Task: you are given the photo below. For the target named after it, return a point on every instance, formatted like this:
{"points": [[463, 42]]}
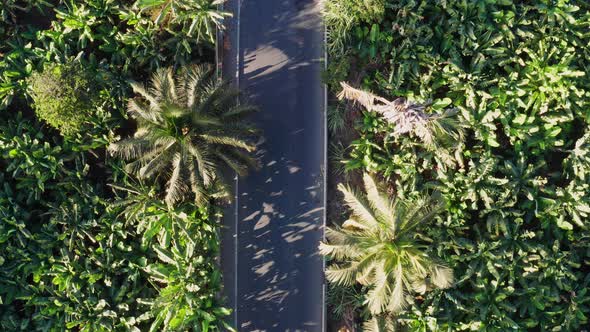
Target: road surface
{"points": [[273, 274]]}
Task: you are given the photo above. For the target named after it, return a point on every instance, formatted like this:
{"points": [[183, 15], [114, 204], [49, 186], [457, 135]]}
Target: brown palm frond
{"points": [[406, 116]]}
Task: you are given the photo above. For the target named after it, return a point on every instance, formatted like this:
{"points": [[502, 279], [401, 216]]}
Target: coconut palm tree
{"points": [[188, 127], [378, 247]]}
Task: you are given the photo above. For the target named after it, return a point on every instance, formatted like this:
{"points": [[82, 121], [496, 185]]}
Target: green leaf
{"points": [[564, 224], [165, 255], [491, 140], [441, 103], [374, 32]]}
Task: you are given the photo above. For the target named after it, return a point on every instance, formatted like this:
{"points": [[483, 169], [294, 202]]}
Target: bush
{"points": [[341, 16], [65, 96], [77, 260], [74, 254]]}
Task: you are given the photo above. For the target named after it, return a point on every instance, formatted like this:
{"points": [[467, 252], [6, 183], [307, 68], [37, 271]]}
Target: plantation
{"points": [[460, 165], [113, 132], [494, 121]]}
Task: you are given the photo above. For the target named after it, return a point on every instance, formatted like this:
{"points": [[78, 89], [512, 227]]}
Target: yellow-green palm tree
{"points": [[188, 127], [378, 247]]}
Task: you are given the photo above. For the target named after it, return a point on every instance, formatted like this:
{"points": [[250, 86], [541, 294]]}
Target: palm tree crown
{"points": [[377, 247], [188, 125]]}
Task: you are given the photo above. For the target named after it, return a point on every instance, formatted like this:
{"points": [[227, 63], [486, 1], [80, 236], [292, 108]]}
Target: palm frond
{"points": [[441, 276], [337, 252], [228, 140], [342, 275], [351, 224], [130, 148], [234, 164], [205, 167], [380, 293], [156, 164], [245, 158], [163, 86], [212, 92], [141, 90], [366, 99], [175, 188], [359, 207], [240, 111], [196, 78], [206, 120], [397, 297], [418, 211], [138, 109], [378, 202], [381, 323]]}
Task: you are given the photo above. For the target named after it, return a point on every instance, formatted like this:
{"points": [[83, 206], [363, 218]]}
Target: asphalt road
{"points": [[273, 274]]}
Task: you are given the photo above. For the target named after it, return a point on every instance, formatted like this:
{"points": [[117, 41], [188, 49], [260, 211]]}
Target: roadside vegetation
{"points": [[483, 105], [113, 131]]}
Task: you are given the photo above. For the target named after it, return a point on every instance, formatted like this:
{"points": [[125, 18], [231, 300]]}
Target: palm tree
{"points": [[378, 247], [188, 126]]}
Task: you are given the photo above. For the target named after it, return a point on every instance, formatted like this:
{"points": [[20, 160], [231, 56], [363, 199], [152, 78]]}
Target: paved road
{"points": [[273, 274]]}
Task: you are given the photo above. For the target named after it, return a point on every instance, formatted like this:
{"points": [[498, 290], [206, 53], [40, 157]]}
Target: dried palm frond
{"points": [[433, 129]]}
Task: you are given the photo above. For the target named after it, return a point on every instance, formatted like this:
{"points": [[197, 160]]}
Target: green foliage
{"points": [[120, 37], [76, 251], [189, 124], [30, 161], [16, 63], [185, 243], [65, 96], [198, 18], [87, 264], [338, 70], [9, 9], [345, 301], [342, 15], [516, 231]]}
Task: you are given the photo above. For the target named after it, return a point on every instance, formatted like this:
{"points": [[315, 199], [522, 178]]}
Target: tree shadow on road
{"points": [[280, 208]]}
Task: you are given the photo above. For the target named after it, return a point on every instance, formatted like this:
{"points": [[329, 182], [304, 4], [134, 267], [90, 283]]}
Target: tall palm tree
{"points": [[377, 247], [188, 126]]}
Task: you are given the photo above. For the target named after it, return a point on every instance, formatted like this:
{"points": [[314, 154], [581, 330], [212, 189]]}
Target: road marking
{"points": [[324, 288], [237, 182]]}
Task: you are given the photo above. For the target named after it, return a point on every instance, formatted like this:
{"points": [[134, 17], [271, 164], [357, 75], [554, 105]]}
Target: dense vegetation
{"points": [[85, 245], [515, 184]]}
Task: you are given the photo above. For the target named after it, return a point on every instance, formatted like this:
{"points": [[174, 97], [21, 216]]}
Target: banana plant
{"points": [[198, 19]]}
